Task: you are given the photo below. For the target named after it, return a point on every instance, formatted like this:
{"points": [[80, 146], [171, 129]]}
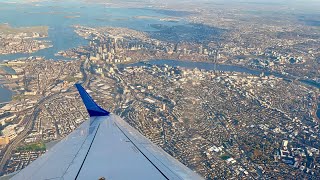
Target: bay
{"points": [[60, 17]]}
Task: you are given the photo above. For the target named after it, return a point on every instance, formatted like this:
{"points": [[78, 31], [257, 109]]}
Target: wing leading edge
{"points": [[105, 146], [92, 108]]}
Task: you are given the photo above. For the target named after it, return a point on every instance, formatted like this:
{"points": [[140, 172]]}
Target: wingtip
{"points": [[93, 108], [77, 85]]}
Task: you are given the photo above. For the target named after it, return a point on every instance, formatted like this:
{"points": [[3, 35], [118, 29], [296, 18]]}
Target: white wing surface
{"points": [[105, 146]]}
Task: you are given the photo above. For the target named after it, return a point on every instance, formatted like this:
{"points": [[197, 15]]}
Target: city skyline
{"points": [[230, 89]]}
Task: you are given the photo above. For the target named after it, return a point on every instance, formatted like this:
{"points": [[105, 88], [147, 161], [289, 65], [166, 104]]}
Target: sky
{"points": [[313, 5]]}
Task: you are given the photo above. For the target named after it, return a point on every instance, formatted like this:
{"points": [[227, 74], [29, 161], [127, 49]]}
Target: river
{"points": [[5, 95], [218, 67], [192, 65]]}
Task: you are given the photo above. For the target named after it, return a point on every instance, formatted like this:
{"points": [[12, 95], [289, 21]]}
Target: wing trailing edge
{"points": [[93, 108]]}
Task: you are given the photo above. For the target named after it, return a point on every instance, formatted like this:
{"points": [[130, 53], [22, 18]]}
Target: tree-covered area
{"points": [[33, 147]]}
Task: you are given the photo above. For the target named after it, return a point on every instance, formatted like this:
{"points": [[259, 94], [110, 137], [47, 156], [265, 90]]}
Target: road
{"points": [[29, 120]]}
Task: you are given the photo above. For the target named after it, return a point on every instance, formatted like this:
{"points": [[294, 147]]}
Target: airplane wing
{"points": [[105, 147]]}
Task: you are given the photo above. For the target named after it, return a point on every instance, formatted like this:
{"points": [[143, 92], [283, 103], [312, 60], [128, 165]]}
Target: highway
{"points": [[29, 120]]}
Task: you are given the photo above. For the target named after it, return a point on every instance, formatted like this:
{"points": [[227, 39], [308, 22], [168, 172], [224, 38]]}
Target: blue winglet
{"points": [[92, 108]]}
